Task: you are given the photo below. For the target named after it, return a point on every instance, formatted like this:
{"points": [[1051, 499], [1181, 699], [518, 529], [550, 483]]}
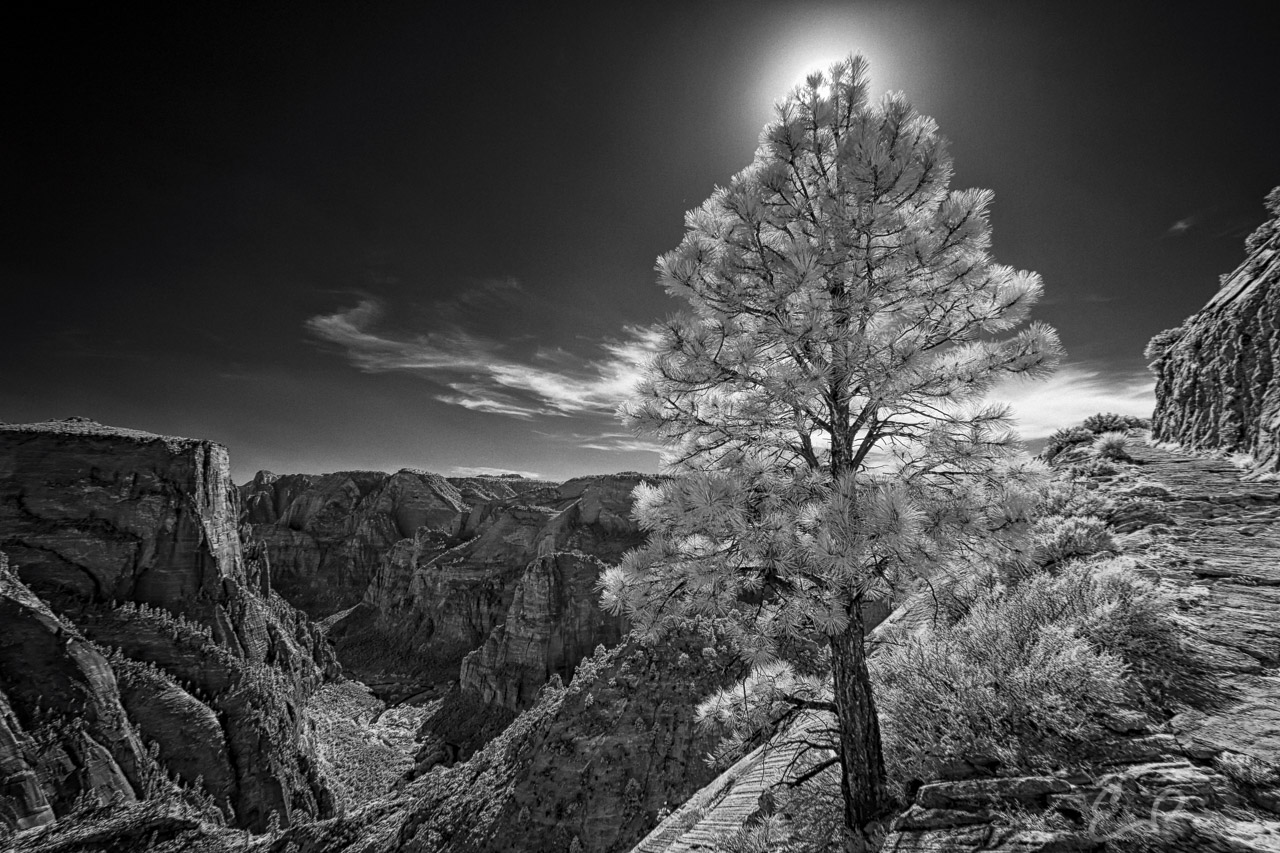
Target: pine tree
{"points": [[822, 397]]}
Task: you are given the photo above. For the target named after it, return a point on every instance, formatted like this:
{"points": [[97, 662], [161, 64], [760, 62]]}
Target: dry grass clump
{"points": [[1112, 446]]}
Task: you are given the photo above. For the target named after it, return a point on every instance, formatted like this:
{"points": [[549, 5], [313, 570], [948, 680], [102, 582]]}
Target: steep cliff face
{"points": [[1218, 374], [553, 622], [133, 538], [93, 513], [324, 535], [516, 583]]}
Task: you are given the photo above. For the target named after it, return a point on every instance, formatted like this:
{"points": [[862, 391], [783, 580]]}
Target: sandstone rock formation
{"points": [[132, 537], [553, 622], [591, 764], [1217, 384], [325, 534], [528, 561]]}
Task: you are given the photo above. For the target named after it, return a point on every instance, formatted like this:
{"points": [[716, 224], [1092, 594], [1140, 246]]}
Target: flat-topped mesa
{"points": [[91, 513], [1218, 374]]}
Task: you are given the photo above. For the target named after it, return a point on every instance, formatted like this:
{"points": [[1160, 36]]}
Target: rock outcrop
{"points": [[553, 622], [131, 539], [592, 764], [1218, 374]]}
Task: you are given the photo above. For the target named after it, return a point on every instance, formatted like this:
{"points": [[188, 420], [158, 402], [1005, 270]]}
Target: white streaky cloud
{"points": [[482, 375], [450, 350], [1070, 395], [623, 443], [485, 471]]}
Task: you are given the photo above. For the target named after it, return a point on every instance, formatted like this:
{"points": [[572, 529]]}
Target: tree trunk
{"points": [[862, 776]]}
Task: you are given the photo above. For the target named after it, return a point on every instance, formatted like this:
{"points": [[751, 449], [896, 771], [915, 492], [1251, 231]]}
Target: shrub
{"points": [[1064, 438], [1163, 341], [1055, 538], [1111, 422], [1024, 675], [1111, 445], [1066, 498]]}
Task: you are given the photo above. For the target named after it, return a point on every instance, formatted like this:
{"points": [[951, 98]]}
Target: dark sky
{"points": [[374, 236]]}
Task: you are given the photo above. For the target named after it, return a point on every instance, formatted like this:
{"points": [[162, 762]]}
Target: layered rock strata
{"points": [[132, 539], [324, 535], [515, 585], [1218, 374]]}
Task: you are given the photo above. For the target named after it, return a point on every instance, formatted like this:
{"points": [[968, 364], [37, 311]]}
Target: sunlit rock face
{"points": [[324, 535], [553, 622], [132, 538], [1218, 375], [94, 513]]}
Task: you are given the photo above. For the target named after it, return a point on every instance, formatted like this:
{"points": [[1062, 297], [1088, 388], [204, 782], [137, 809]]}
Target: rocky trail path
{"points": [[1230, 531]]}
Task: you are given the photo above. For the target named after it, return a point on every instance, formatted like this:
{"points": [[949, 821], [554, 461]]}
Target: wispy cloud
{"points": [[483, 374], [1182, 226], [1072, 394], [612, 442]]}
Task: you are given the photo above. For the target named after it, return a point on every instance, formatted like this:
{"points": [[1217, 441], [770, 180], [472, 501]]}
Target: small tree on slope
{"points": [[821, 399]]}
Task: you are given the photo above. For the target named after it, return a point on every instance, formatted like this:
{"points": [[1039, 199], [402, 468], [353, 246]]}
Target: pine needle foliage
{"points": [[823, 397]]}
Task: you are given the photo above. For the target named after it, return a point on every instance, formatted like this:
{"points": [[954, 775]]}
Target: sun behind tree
{"points": [[822, 397]]}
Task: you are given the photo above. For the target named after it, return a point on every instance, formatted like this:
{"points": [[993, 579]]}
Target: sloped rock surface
{"points": [[1169, 790], [1218, 375], [133, 537], [63, 731]]}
